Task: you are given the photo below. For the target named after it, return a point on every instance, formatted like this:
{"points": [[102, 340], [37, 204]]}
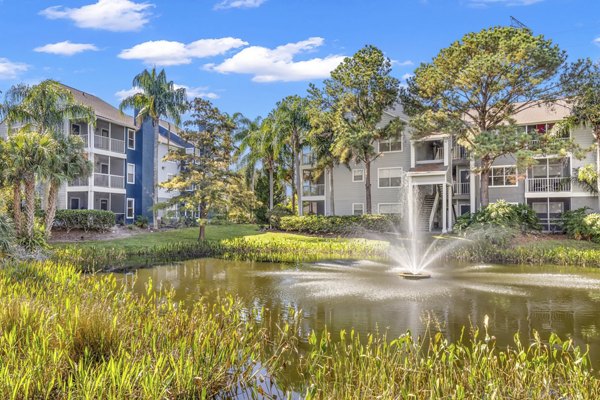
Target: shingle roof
{"points": [[102, 108]]}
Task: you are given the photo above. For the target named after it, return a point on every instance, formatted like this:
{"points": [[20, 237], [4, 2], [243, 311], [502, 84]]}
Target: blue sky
{"points": [[245, 55]]}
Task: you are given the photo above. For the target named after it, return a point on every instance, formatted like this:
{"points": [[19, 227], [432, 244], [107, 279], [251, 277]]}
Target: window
{"points": [[74, 203], [104, 169], [189, 150], [389, 208], [131, 139], [75, 129], [390, 177], [503, 176], [130, 173], [358, 208], [358, 175], [130, 208], [104, 204], [391, 145], [539, 128], [104, 132], [464, 209]]}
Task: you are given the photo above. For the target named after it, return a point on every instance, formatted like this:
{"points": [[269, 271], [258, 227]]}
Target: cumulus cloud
{"points": [[596, 41], [486, 3], [165, 53], [110, 15], [278, 64], [405, 63], [66, 48], [191, 92], [238, 4], [10, 69]]}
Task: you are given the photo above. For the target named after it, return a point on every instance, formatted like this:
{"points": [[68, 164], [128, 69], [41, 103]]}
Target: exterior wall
{"points": [[166, 168]]}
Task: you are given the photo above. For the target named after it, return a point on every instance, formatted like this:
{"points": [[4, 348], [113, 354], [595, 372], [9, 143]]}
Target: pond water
{"points": [[367, 296]]}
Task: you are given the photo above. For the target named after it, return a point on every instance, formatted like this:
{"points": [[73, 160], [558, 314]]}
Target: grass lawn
{"points": [[186, 235]]}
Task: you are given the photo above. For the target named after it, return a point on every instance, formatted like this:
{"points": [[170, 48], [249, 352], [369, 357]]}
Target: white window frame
{"points": [[127, 208], [128, 181], [363, 174], [491, 176], [390, 141], [387, 187], [362, 205], [132, 132], [388, 204]]}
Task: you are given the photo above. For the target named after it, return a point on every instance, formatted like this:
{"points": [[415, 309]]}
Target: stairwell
{"points": [[425, 213]]}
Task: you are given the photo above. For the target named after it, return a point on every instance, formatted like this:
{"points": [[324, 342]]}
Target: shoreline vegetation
{"points": [[248, 243], [65, 336]]}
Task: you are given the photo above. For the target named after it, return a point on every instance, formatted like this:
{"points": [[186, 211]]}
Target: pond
{"points": [[368, 296]]}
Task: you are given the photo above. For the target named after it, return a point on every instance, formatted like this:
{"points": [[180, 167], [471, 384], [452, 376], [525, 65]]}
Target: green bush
{"points": [[501, 214], [7, 234], [141, 221], [339, 225], [86, 220], [274, 216], [581, 225]]}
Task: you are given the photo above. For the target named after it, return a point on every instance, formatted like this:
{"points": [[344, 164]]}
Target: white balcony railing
{"points": [[462, 188], [308, 159], [317, 189], [109, 144], [84, 139], [79, 182], [548, 185], [109, 181]]}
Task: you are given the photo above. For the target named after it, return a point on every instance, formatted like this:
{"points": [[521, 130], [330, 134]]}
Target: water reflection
{"points": [[368, 296]]}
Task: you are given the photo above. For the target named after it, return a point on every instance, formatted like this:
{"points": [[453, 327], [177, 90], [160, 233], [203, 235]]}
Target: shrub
{"points": [[581, 225], [274, 216], [501, 214], [141, 221], [86, 220], [340, 225], [7, 234]]}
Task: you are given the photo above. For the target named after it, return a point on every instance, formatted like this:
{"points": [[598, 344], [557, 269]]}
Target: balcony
{"points": [[315, 189], [109, 181], [462, 188], [459, 152], [109, 144], [308, 159], [79, 182], [84, 139], [548, 185]]}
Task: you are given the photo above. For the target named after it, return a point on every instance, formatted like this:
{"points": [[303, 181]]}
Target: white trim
{"points": [[388, 204], [127, 138], [127, 172], [388, 187], [132, 208], [504, 166], [363, 174], [360, 204]]}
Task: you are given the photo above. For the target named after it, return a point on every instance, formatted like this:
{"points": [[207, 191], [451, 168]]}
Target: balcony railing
{"points": [[109, 181], [459, 153], [547, 185], [84, 139], [79, 182], [438, 156], [462, 188], [109, 144], [317, 189]]}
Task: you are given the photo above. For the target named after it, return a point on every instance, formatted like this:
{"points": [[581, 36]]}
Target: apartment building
{"points": [[444, 186], [123, 162]]}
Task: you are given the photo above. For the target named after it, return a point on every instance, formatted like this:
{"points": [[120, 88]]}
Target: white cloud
{"points": [[406, 77], [485, 3], [405, 63], [66, 48], [596, 41], [238, 4], [110, 15], [191, 92], [10, 69], [164, 52], [271, 65]]}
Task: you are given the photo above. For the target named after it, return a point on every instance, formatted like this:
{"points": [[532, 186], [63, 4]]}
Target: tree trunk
{"points": [[202, 232], [485, 186], [598, 167], [271, 188], [17, 214], [298, 178], [331, 193], [51, 207], [29, 181], [369, 209], [155, 168]]}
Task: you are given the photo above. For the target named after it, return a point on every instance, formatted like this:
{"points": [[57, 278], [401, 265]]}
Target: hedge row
{"points": [[340, 225], [86, 220]]}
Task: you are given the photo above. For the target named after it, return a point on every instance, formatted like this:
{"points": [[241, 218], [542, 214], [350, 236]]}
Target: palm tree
{"points": [[159, 98], [29, 155], [320, 144], [292, 124], [247, 154], [68, 162]]}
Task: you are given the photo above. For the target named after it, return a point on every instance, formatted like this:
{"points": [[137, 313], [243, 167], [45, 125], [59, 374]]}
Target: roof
{"points": [[543, 113], [102, 109]]}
